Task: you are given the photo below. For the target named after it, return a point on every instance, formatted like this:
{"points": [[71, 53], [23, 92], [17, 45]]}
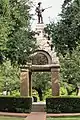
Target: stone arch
{"points": [[46, 55]]}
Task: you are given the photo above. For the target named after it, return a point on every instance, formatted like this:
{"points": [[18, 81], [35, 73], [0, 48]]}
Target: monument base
{"points": [[38, 106]]}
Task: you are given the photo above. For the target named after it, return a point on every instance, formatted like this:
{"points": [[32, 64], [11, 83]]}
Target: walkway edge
{"points": [[14, 114], [62, 114], [47, 115]]}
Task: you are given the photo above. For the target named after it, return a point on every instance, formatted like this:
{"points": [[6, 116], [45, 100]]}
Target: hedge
{"points": [[15, 104], [63, 105]]}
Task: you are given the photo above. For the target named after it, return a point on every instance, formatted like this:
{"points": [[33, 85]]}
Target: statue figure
{"points": [[39, 13]]}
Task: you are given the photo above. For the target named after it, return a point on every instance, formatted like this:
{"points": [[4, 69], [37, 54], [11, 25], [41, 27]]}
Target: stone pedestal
{"points": [[55, 81], [38, 107], [24, 85]]}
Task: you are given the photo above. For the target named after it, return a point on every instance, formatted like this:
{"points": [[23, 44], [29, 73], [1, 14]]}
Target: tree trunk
{"points": [[39, 93]]}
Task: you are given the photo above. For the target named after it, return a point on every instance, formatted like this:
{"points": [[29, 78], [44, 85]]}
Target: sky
{"points": [[50, 14]]}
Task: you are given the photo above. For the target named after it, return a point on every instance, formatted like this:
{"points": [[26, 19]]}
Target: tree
{"points": [[65, 33], [41, 83], [66, 2], [17, 41], [9, 77], [70, 71]]}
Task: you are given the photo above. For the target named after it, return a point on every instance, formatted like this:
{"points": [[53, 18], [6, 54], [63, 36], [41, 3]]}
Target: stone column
{"points": [[30, 84], [24, 82], [55, 81]]}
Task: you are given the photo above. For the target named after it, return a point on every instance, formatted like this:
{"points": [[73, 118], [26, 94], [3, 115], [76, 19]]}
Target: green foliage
{"points": [[41, 83], [15, 104], [16, 39], [41, 79], [63, 105], [35, 94], [48, 93], [66, 2], [70, 71], [65, 33], [15, 93], [9, 77], [63, 91]]}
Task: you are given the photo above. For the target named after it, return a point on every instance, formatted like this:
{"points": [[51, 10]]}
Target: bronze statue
{"points": [[39, 12]]}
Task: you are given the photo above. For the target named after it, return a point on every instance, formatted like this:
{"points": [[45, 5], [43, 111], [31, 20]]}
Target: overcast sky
{"points": [[49, 14]]}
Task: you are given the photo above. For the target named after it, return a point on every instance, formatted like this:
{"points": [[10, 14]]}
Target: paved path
{"points": [[36, 116]]}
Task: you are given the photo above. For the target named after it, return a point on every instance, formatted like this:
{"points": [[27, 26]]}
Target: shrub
{"points": [[63, 105], [15, 104]]}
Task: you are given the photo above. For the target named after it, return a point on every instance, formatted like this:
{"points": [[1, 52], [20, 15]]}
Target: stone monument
{"points": [[44, 59]]}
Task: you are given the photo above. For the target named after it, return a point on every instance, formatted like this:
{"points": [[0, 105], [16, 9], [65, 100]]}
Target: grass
{"points": [[64, 118], [10, 118]]}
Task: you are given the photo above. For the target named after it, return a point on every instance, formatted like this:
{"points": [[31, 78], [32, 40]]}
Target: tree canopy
{"points": [[65, 33], [17, 41], [9, 78], [70, 71], [41, 83]]}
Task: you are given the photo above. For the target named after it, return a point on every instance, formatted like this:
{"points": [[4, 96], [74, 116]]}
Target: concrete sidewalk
{"points": [[36, 116]]}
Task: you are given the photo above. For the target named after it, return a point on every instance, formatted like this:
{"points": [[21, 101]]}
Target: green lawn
{"points": [[10, 118], [64, 118]]}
